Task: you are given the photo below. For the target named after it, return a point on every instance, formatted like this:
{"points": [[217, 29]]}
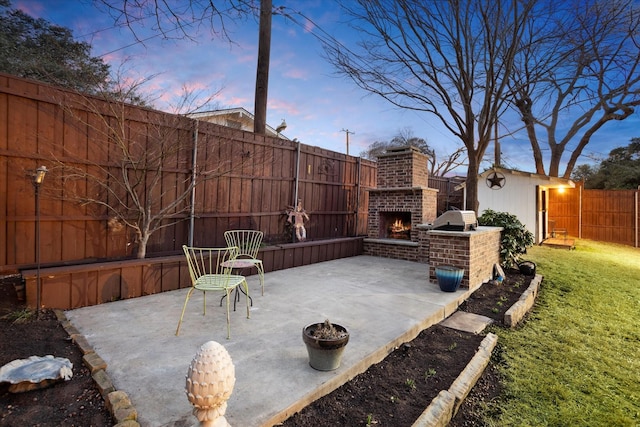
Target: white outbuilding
{"points": [[523, 194]]}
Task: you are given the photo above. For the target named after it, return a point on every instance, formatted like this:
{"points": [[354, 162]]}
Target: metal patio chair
{"points": [[209, 275], [248, 243]]}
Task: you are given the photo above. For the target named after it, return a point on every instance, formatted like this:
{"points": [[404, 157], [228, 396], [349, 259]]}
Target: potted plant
{"points": [[449, 277], [325, 344]]}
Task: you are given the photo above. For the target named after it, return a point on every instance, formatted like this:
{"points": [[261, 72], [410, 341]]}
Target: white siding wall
{"points": [[517, 197]]}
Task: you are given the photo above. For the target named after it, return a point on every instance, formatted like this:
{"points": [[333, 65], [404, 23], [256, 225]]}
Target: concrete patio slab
{"points": [[383, 302]]}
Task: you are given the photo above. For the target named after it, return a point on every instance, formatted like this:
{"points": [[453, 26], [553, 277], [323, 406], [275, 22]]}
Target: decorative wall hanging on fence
{"points": [[297, 216]]}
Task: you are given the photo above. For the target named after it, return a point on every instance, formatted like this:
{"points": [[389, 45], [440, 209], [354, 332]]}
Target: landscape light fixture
{"points": [[38, 178]]}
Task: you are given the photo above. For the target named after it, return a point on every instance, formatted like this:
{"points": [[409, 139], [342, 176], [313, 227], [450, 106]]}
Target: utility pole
{"points": [[496, 148], [347, 131], [262, 73]]}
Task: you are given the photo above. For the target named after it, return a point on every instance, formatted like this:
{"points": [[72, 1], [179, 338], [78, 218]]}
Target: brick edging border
{"points": [[517, 311], [445, 405], [117, 402]]}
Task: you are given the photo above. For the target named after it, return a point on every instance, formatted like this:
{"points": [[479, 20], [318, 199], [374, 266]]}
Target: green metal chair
{"points": [[248, 243], [209, 274]]}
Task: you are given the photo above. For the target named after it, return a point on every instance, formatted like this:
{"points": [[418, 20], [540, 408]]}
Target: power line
{"points": [[161, 33]]}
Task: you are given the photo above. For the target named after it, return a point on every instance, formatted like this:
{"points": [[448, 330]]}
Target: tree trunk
{"points": [[554, 162], [472, 183], [142, 246], [524, 107]]}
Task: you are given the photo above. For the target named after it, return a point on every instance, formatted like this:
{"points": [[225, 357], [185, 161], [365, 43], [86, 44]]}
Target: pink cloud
{"points": [[247, 58], [196, 86], [297, 73], [30, 8], [284, 107], [236, 101], [308, 26]]}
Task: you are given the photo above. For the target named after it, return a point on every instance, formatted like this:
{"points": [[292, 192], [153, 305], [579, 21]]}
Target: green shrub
{"points": [[514, 238]]}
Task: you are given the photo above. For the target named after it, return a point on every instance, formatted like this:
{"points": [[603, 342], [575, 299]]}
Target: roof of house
{"points": [[551, 180], [237, 118]]}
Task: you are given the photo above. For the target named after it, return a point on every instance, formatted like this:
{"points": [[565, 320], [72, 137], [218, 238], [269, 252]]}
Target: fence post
{"points": [[580, 210], [637, 209]]}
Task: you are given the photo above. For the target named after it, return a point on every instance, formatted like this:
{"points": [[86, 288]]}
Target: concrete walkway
{"points": [[383, 302]]}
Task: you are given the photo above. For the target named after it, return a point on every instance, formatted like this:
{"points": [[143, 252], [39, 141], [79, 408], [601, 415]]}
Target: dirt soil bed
{"points": [[391, 393], [397, 390], [76, 402]]}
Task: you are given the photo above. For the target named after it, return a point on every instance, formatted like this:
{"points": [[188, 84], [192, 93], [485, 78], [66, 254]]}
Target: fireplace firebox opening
{"points": [[395, 225]]}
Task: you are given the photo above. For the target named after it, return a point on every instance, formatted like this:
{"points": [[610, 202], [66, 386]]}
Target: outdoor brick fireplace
{"points": [[401, 211], [401, 201]]}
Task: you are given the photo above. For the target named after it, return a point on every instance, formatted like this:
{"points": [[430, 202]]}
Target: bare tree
{"points": [[449, 163], [451, 59], [578, 69], [436, 167], [178, 20], [139, 169], [405, 137], [185, 20]]}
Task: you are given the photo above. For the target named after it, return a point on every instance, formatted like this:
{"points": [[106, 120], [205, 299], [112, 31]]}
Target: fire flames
{"points": [[398, 226]]}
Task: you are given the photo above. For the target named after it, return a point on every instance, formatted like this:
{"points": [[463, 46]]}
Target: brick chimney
{"points": [[402, 194], [403, 167]]}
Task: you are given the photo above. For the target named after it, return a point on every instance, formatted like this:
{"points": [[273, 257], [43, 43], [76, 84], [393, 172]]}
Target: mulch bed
{"points": [[393, 392], [397, 390], [76, 402]]}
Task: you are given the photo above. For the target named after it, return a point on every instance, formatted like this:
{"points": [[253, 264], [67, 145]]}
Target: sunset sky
{"points": [[303, 89]]}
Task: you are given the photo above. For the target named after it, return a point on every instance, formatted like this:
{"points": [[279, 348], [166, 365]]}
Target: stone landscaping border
{"points": [[438, 414], [516, 313], [446, 404], [117, 402]]}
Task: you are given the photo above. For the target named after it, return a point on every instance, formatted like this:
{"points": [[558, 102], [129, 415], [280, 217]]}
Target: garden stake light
{"points": [[38, 178]]}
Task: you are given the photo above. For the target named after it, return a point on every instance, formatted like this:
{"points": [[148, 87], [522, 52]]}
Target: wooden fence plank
{"points": [[603, 215], [84, 289], [255, 194]]}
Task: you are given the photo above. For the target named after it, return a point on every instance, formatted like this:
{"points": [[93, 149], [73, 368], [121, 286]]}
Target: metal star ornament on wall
{"points": [[496, 181]]}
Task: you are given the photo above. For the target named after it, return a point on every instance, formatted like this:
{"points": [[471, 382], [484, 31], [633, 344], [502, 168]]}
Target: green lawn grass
{"points": [[576, 359]]}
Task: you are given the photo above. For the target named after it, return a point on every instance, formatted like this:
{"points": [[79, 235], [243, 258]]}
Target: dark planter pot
{"points": [[324, 354], [528, 268], [449, 277]]}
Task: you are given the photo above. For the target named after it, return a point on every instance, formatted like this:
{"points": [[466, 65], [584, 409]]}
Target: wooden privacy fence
{"points": [[449, 195], [256, 179], [602, 215]]}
